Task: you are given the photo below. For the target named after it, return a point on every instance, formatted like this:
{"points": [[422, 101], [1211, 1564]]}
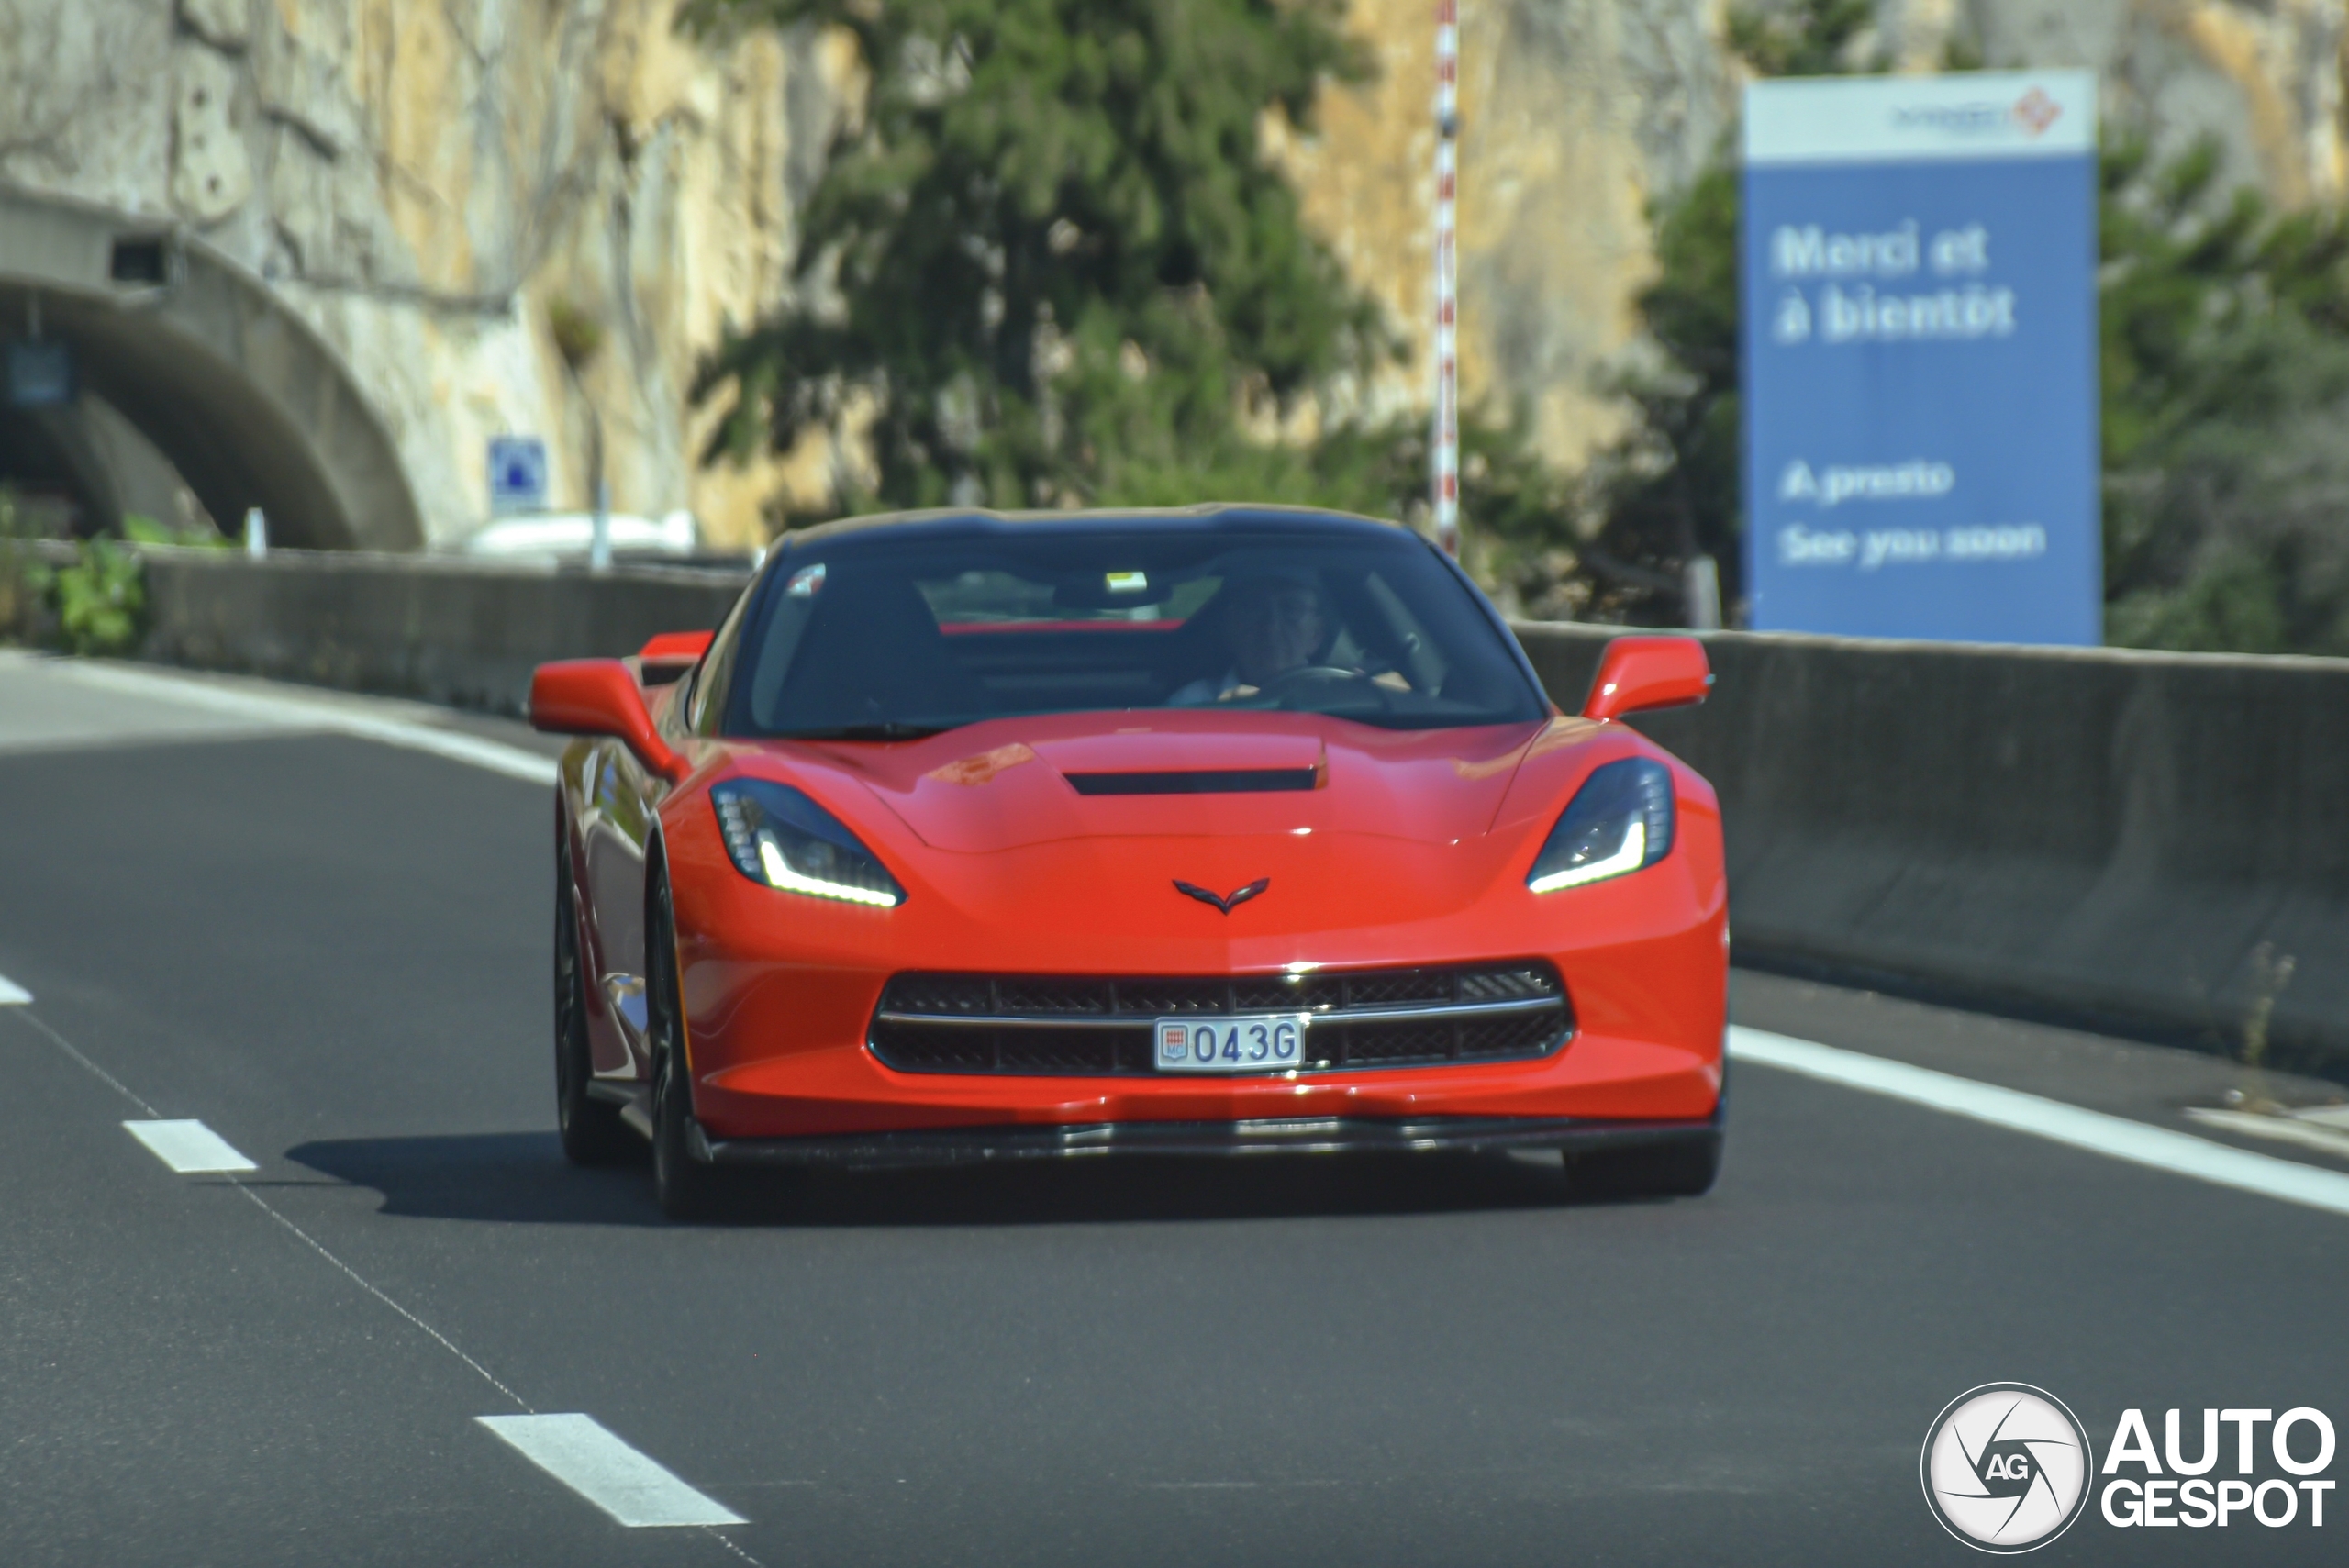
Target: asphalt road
{"points": [[333, 951]]}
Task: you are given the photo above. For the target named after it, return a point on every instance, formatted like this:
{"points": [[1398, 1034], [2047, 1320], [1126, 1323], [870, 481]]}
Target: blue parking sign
{"points": [[518, 474], [1919, 340]]}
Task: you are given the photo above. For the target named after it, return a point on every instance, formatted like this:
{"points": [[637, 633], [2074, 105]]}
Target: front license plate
{"points": [[1251, 1042]]}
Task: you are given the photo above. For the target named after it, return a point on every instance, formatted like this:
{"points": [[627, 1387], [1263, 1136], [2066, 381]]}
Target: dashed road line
{"points": [[157, 1118], [13, 995], [580, 1452], [2116, 1137], [625, 1481], [333, 717], [189, 1148]]}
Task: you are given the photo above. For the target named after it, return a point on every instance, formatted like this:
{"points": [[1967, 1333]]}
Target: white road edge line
{"points": [[2116, 1137], [13, 995], [335, 717], [189, 1148], [578, 1451]]}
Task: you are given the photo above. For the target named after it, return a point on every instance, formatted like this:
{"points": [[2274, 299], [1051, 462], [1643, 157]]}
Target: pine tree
{"points": [[2225, 366], [1060, 267]]}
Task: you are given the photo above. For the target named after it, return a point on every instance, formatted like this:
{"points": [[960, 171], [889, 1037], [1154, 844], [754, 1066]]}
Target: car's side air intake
{"points": [[1091, 1025]]}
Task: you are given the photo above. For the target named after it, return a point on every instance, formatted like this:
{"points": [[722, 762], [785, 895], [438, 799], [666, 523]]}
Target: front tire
{"points": [[592, 1133], [685, 1187]]}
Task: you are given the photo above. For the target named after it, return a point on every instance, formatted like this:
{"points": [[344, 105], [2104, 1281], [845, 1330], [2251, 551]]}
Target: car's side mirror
{"points": [[664, 660], [1638, 673], [599, 696]]}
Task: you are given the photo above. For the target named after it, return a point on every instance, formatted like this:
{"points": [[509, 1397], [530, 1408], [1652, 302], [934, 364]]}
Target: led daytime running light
{"points": [[780, 874], [1622, 818], [778, 836], [1630, 857]]}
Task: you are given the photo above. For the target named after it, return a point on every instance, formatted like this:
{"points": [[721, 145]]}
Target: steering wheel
{"points": [[1311, 681], [1306, 676]]}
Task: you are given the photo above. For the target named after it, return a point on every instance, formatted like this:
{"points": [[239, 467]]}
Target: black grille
{"points": [[1091, 1025]]}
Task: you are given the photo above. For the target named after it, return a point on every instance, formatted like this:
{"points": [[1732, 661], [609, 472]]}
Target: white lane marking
{"points": [[336, 717], [358, 1279], [13, 995], [2115, 1137], [576, 1451], [189, 1147]]}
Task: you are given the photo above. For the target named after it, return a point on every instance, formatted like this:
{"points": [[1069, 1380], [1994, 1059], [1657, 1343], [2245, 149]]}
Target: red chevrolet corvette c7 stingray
{"points": [[1234, 829]]}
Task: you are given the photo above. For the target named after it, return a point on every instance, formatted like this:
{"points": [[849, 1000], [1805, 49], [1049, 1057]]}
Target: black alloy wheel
{"points": [[592, 1133], [686, 1188]]}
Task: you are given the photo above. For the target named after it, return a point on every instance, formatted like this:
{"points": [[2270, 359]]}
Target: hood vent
{"points": [[1205, 781]]}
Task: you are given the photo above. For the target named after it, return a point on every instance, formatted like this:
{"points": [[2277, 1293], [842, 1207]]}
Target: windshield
{"points": [[881, 637]]}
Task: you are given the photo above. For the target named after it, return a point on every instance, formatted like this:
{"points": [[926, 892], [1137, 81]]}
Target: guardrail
{"points": [[2156, 843]]}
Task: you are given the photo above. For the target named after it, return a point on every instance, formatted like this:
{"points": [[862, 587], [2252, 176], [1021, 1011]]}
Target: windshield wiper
{"points": [[888, 730]]}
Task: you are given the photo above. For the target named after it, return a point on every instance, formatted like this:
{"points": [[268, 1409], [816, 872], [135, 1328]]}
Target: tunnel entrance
{"points": [[50, 493], [80, 469], [238, 394]]}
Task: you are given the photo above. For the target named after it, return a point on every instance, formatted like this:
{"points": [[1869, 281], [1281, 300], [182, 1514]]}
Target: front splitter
{"points": [[1319, 1135]]}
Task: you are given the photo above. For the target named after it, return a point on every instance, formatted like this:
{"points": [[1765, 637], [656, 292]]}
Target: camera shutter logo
{"points": [[2006, 1467]]}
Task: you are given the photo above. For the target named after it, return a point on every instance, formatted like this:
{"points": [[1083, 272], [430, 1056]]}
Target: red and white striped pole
{"points": [[1447, 368]]}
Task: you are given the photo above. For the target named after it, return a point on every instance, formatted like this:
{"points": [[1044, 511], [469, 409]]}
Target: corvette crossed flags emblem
{"points": [[1238, 896]]}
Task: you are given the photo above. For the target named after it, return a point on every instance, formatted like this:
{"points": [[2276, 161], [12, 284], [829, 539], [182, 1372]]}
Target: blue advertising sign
{"points": [[518, 474], [1920, 348]]}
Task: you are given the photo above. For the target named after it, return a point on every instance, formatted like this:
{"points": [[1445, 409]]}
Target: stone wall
{"points": [[422, 180]]}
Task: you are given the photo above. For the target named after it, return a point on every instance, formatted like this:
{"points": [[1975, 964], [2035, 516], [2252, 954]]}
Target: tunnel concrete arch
{"points": [[251, 406]]}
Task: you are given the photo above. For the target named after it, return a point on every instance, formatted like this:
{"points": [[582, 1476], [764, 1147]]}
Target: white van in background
{"points": [[567, 535]]}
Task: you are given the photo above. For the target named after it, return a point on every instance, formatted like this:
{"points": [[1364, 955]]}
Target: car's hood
{"points": [[1014, 781]]}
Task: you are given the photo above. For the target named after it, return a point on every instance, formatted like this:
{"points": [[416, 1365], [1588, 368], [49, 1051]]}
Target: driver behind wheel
{"points": [[1273, 625]]}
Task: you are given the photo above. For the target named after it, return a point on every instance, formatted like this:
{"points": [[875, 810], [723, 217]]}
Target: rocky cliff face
{"points": [[423, 182], [1575, 114]]}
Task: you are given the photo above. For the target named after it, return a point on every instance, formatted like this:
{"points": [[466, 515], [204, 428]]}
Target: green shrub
{"points": [[96, 600], [139, 528]]}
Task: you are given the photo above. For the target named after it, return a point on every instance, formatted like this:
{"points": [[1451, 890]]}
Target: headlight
{"points": [[778, 836], [1618, 821]]}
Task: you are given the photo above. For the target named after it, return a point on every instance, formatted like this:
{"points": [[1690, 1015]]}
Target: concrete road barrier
{"points": [[460, 632], [2152, 842]]}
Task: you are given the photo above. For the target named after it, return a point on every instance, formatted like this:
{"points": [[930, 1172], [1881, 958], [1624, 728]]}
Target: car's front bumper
{"points": [[781, 992]]}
